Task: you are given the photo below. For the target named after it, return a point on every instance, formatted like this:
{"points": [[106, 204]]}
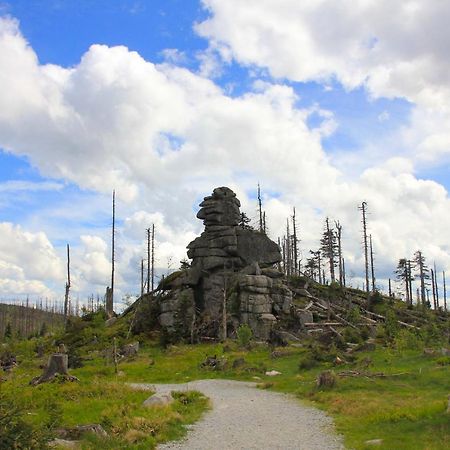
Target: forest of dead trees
{"points": [[414, 280]]}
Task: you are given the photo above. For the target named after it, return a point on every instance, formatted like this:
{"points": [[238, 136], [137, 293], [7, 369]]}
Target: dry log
{"points": [[355, 373]]}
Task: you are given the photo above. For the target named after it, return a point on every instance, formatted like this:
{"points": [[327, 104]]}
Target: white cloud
{"points": [[394, 49], [164, 137], [28, 261]]}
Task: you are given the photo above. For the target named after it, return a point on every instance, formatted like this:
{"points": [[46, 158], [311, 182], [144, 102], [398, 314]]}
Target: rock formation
{"points": [[231, 266]]}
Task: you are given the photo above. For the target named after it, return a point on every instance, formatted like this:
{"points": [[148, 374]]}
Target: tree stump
{"points": [[57, 365]]}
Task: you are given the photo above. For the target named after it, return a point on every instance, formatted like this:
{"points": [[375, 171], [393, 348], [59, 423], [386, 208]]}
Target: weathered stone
{"points": [[305, 317], [158, 400], [273, 373], [111, 321], [374, 442], [272, 273], [63, 443], [130, 349], [231, 264]]}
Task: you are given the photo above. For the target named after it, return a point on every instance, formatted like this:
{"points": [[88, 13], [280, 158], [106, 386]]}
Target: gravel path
{"points": [[246, 418]]}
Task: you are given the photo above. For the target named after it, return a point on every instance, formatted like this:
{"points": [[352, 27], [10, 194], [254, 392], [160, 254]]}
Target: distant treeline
{"points": [[26, 319]]}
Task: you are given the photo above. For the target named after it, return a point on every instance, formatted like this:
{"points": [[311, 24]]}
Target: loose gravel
{"points": [[246, 418]]}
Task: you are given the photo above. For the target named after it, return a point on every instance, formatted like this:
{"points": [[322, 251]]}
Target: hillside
{"points": [[388, 366]]}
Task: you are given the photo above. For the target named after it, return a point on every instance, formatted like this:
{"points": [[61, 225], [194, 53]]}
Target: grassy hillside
{"points": [[392, 385]]}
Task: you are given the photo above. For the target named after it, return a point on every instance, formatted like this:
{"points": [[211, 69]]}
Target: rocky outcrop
{"points": [[231, 265], [224, 244]]}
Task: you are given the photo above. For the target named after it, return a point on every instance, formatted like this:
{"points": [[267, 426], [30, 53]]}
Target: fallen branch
{"points": [[355, 373]]}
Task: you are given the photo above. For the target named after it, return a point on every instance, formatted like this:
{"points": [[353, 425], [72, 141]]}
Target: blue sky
{"points": [[333, 109]]}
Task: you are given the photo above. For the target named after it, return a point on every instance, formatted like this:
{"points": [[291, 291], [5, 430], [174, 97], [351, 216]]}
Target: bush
{"points": [[352, 335], [391, 325], [15, 433], [326, 379], [354, 315], [444, 361], [407, 340], [307, 362], [244, 335]]}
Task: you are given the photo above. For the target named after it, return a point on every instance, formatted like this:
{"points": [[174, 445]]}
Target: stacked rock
{"points": [[224, 244], [227, 255]]}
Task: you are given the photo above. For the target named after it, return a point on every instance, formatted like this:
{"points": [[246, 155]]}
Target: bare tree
{"points": [[66, 296], [148, 259], [436, 285], [295, 243], [339, 244], [363, 209], [142, 277], [261, 227], [110, 294], [433, 287], [153, 257], [288, 250], [445, 291], [372, 268]]}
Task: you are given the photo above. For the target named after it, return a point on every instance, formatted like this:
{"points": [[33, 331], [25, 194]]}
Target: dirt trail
{"points": [[246, 418]]}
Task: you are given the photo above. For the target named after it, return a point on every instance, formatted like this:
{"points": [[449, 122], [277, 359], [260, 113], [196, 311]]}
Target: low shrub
{"points": [[244, 335]]}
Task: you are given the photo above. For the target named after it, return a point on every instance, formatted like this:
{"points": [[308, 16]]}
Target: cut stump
{"points": [[57, 365]]}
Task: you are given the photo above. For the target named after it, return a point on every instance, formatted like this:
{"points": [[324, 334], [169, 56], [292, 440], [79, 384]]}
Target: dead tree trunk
{"points": [[363, 209], [295, 244], [445, 291], [343, 272], [66, 296], [433, 284], [288, 249], [436, 286], [142, 277], [148, 260], [409, 282], [339, 242], [153, 258], [260, 210], [372, 268], [57, 365], [110, 298]]}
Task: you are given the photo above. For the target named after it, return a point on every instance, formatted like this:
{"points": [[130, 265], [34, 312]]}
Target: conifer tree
{"points": [[422, 274], [329, 248], [404, 275]]}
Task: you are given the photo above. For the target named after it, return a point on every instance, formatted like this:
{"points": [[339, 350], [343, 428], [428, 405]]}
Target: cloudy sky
{"points": [[325, 103]]}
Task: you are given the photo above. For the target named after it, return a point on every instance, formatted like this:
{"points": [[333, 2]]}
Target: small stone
{"points": [[374, 442], [272, 373], [158, 400], [130, 349], [445, 351], [63, 443], [111, 321], [91, 428]]}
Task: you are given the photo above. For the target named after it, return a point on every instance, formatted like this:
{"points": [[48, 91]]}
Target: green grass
{"points": [[406, 408], [99, 397]]}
